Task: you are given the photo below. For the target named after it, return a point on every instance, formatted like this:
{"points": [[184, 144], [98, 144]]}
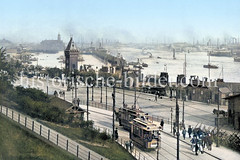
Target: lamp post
{"points": [[184, 99], [218, 120], [171, 119], [92, 92], [106, 96], [177, 123], [101, 94], [158, 143], [47, 83], [113, 119], [87, 101], [72, 92]]}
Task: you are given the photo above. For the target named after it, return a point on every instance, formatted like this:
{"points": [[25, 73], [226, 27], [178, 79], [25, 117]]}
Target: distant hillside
{"points": [[5, 41], [16, 143]]}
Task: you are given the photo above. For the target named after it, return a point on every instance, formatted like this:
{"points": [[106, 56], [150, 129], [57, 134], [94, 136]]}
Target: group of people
{"points": [[199, 138]]}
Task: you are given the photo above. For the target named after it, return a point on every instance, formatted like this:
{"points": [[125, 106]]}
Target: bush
{"points": [[85, 124], [104, 136]]}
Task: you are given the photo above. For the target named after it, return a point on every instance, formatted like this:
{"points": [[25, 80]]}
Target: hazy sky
{"points": [[125, 20]]}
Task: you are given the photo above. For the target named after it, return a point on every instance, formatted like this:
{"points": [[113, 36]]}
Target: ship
{"points": [[209, 65], [221, 53], [236, 59]]}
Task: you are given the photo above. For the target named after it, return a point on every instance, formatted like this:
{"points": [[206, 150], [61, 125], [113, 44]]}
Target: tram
{"points": [[126, 115], [144, 132]]}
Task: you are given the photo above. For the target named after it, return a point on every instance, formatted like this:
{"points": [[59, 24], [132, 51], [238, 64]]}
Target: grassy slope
{"points": [[113, 151], [108, 149], [16, 143]]}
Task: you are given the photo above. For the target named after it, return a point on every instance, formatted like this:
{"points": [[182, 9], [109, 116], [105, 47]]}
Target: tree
{"points": [[7, 70]]}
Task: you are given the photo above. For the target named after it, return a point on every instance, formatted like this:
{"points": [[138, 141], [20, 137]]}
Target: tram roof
{"points": [[146, 125], [132, 110]]}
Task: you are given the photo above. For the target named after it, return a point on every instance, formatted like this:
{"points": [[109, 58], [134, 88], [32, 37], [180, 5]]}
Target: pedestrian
{"points": [[156, 97], [174, 131], [196, 146], [184, 133], [116, 133], [131, 145], [189, 131], [78, 101], [162, 123], [55, 93]]}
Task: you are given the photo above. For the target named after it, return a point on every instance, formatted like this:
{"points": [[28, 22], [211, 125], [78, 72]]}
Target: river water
{"points": [[195, 62]]}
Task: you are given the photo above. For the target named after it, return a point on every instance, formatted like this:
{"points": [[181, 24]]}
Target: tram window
{"points": [[155, 134]]}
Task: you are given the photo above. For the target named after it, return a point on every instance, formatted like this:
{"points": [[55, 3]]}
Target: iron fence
{"points": [[51, 135]]}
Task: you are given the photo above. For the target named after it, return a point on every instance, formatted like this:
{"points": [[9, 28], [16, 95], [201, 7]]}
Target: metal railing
{"points": [[51, 135]]}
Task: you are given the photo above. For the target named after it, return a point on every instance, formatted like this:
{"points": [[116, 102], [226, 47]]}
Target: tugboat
{"points": [[209, 65]]}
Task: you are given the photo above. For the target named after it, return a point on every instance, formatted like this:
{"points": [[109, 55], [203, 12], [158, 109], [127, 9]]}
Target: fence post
{"points": [[67, 145], [57, 139], [18, 117], [25, 121], [12, 114], [40, 130], [77, 150], [48, 134], [32, 125], [89, 155]]}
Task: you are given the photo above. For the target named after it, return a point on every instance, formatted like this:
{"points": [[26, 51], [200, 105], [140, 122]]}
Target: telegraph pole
{"points": [[113, 118], [72, 93], [101, 94], [177, 123], [106, 96], [47, 83], [123, 84], [87, 101], [183, 113], [218, 120], [171, 119], [135, 93], [92, 93], [158, 144], [75, 84]]}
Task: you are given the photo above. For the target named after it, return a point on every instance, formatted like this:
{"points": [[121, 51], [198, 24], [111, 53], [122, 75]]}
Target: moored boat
{"points": [[236, 59], [210, 66]]}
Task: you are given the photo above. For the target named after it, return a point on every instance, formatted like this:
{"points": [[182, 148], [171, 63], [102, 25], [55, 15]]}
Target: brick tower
{"points": [[71, 57]]}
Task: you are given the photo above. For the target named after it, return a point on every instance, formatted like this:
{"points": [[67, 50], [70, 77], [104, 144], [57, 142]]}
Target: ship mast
{"points": [[185, 66], [222, 72]]}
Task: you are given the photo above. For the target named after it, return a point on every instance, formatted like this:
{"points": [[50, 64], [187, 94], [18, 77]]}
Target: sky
{"points": [[123, 20]]}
